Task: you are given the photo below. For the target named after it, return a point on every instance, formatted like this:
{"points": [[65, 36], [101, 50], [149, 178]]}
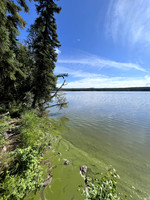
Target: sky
{"points": [[105, 43]]}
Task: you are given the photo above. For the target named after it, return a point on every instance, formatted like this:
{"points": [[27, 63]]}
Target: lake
{"points": [[113, 128]]}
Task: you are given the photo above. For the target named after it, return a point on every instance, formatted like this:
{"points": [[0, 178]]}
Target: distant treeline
{"points": [[108, 89]]}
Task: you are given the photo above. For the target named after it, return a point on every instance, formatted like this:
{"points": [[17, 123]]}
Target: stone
{"points": [[47, 162], [47, 182], [83, 170], [67, 162]]}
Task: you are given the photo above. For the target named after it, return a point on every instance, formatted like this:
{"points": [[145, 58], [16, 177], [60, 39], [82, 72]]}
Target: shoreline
{"points": [[127, 89]]}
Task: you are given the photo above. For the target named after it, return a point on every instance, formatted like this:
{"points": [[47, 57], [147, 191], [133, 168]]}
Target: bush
{"points": [[22, 172], [35, 130], [24, 175], [102, 189]]}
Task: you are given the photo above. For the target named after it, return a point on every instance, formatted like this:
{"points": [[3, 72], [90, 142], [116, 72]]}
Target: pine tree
{"points": [[43, 41]]}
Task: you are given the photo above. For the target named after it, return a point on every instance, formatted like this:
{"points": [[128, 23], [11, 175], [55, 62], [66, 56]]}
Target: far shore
{"points": [[133, 89]]}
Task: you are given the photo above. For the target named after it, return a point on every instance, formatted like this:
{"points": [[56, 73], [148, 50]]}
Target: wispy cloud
{"points": [[101, 63], [83, 79], [107, 82], [77, 73], [129, 20]]}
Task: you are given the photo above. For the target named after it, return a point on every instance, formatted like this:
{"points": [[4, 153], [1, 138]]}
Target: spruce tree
{"points": [[10, 20], [43, 40], [24, 82]]}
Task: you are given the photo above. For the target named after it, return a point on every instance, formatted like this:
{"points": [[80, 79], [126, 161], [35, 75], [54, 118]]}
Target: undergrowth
{"points": [[21, 172], [103, 188]]}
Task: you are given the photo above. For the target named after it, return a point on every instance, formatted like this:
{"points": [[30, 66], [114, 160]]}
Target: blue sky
{"points": [[105, 43]]}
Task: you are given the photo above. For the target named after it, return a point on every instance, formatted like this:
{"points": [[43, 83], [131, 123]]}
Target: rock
{"points": [[47, 162], [86, 189], [83, 170], [67, 162], [49, 147], [47, 182]]}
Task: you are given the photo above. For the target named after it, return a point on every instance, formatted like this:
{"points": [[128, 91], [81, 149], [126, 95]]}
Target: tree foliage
{"points": [[10, 20], [43, 41], [27, 71]]}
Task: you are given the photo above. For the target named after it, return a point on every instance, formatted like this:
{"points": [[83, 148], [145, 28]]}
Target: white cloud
{"points": [[100, 63], [57, 51], [87, 80], [76, 73], [106, 82], [96, 80], [129, 20]]}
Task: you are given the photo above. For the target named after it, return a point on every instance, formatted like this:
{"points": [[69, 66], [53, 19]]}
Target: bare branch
{"points": [[58, 104], [58, 89]]}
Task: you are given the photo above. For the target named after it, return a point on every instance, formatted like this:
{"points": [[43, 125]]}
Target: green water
{"points": [[66, 179], [104, 129]]}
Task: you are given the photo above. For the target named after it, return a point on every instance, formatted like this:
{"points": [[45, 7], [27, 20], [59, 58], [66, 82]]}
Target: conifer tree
{"points": [[43, 40], [10, 20], [24, 82]]}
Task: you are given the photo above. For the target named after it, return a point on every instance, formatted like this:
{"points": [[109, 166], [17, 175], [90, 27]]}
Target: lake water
{"points": [[114, 128]]}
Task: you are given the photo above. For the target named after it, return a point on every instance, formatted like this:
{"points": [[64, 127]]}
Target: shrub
{"points": [[24, 175], [102, 189], [35, 131]]}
